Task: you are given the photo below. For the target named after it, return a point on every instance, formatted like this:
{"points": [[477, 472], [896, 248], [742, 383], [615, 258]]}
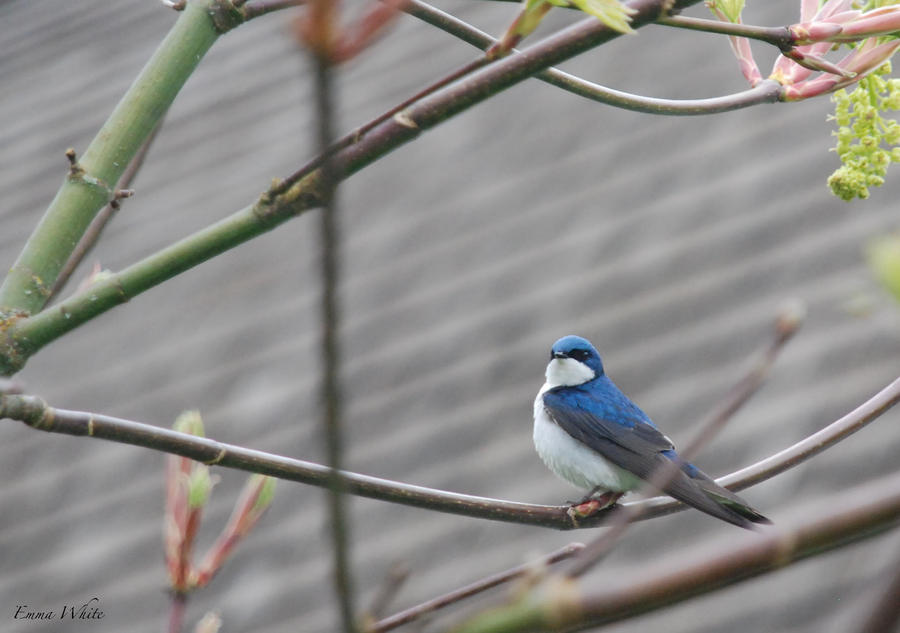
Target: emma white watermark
{"points": [[90, 610]]}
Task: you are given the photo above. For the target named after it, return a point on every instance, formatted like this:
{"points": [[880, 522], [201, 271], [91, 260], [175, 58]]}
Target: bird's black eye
{"points": [[580, 355]]}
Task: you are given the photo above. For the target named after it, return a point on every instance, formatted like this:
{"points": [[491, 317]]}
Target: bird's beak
{"points": [[558, 355]]}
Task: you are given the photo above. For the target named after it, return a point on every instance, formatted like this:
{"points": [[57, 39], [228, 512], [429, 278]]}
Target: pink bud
{"points": [[810, 32], [831, 8], [872, 23]]}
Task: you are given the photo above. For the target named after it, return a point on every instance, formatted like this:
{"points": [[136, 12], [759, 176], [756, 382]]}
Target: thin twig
{"points": [[177, 607], [35, 413], [330, 352], [765, 92], [786, 326], [396, 577], [356, 135], [25, 335], [92, 235], [479, 586], [778, 36], [859, 514]]}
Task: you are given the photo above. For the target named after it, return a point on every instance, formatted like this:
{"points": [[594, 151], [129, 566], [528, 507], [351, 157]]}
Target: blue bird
{"points": [[589, 433]]}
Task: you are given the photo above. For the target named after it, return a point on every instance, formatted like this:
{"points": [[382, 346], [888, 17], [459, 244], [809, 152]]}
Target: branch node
{"points": [[405, 120], [225, 15], [120, 194], [218, 457], [75, 169]]}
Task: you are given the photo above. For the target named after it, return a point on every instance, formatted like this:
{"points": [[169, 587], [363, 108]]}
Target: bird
{"points": [[588, 432]]}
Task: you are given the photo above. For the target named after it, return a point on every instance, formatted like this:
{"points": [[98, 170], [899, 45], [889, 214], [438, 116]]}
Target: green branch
{"points": [[90, 183], [22, 337]]}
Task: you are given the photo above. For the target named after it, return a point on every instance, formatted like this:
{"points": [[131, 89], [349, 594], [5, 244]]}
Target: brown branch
{"points": [[786, 326], [396, 577], [562, 605], [323, 18], [767, 91], [479, 586], [35, 413]]}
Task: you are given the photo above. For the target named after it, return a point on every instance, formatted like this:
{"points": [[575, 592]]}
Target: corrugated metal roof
{"points": [[670, 243]]}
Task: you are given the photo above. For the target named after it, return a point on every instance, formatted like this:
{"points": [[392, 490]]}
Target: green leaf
{"points": [[189, 422], [612, 13], [731, 9]]}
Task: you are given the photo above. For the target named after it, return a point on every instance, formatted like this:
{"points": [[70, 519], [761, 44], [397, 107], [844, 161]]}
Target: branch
{"points": [[323, 19], [95, 228], [766, 92], [89, 185], [430, 606], [22, 337], [778, 36], [37, 414], [859, 514]]}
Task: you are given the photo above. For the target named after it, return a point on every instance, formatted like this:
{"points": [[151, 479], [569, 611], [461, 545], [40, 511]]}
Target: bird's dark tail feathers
{"points": [[720, 502], [697, 489]]}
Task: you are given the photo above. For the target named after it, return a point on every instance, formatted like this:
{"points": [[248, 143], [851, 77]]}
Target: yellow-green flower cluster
{"points": [[866, 141]]}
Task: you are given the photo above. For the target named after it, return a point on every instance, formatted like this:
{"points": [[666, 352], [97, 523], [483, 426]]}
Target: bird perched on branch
{"points": [[589, 433]]}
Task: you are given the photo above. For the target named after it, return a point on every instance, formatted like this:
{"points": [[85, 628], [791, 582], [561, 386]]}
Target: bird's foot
{"points": [[591, 505]]}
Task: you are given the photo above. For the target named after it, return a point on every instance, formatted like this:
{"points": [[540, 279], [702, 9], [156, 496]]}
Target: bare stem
{"points": [[89, 185], [479, 586], [356, 135], [862, 513], [35, 413], [177, 607], [330, 351], [21, 335], [778, 36], [396, 577], [765, 92]]}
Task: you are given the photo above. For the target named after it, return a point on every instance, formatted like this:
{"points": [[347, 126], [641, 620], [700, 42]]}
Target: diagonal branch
{"points": [[430, 606], [89, 185], [95, 228], [21, 336], [859, 514], [765, 92], [37, 414]]}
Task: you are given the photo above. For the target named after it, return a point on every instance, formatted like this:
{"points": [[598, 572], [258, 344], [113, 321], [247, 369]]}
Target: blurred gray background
{"points": [[670, 242]]}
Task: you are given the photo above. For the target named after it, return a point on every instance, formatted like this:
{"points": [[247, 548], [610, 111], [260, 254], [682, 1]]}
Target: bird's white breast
{"points": [[572, 460], [566, 372]]}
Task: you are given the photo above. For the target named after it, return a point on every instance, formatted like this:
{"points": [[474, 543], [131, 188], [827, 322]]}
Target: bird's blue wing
{"points": [[610, 424], [607, 421]]}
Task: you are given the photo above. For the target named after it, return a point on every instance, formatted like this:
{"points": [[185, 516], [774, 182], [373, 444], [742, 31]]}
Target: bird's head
{"points": [[573, 361]]}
